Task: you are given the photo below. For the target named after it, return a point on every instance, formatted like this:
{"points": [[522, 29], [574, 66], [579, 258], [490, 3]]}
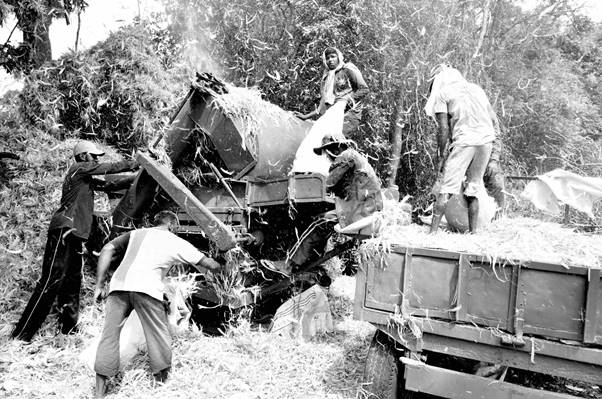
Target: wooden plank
{"points": [[406, 285], [591, 307], [461, 304], [359, 312], [215, 229], [463, 336], [519, 310], [492, 337], [420, 377], [514, 357], [513, 298]]}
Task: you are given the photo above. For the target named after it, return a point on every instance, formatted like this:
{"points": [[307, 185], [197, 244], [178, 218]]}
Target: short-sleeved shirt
{"points": [[469, 108], [148, 254], [77, 200]]}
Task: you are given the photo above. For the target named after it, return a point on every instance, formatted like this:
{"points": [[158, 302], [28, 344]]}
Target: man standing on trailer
{"points": [[467, 124]]}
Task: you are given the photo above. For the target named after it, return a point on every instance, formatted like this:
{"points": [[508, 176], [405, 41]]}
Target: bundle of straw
{"points": [[247, 109], [229, 283]]}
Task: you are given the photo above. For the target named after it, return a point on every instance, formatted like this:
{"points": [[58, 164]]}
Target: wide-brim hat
{"points": [[330, 141]]}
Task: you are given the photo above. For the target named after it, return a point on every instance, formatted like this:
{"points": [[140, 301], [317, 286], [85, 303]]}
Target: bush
{"points": [[121, 91]]}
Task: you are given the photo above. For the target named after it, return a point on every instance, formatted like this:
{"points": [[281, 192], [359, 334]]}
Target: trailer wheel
{"points": [[383, 373]]}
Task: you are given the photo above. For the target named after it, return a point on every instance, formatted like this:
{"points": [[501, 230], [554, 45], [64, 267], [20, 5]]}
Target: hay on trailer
{"points": [[512, 239]]}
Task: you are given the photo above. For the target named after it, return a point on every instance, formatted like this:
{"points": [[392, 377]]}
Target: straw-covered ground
{"points": [[244, 363]]}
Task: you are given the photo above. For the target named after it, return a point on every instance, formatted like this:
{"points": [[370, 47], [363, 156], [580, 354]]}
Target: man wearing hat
{"points": [[357, 188], [69, 227], [341, 81], [351, 179], [468, 125]]}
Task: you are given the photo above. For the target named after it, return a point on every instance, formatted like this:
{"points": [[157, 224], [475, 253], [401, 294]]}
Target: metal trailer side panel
{"points": [[533, 299]]}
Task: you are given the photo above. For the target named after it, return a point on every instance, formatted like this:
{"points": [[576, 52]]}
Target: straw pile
{"points": [[514, 239], [121, 91]]}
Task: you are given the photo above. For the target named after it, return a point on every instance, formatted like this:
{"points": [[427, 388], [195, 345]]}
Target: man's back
{"points": [[148, 255], [469, 108]]}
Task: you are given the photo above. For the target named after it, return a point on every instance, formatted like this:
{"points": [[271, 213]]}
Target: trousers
{"points": [[61, 280], [153, 318]]}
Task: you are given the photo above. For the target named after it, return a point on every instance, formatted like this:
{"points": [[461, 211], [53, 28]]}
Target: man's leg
{"points": [[494, 184], [68, 296], [438, 210], [313, 245], [474, 182], [453, 172], [106, 364], [153, 318], [100, 387], [43, 296], [473, 213]]}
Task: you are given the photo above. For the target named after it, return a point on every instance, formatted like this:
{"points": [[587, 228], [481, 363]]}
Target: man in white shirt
{"points": [[138, 284], [467, 124]]}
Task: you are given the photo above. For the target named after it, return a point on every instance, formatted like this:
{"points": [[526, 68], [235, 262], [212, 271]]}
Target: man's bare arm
{"points": [[104, 261], [208, 263], [443, 136]]}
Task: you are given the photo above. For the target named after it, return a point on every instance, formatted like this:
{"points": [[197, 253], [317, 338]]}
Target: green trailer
{"points": [[539, 317]]}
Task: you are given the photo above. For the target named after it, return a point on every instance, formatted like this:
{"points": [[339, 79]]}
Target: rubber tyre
{"points": [[383, 372]]}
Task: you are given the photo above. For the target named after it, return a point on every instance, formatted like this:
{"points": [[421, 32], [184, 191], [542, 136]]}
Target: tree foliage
{"points": [[540, 68], [121, 91], [34, 18]]}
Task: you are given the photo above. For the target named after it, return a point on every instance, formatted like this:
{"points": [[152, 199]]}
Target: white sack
{"points": [[306, 160], [304, 315]]}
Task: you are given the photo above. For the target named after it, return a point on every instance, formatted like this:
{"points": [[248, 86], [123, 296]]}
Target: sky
{"points": [[99, 19]]}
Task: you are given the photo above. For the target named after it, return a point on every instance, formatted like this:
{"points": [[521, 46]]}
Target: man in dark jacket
{"points": [[358, 195], [69, 228], [342, 81], [351, 179]]}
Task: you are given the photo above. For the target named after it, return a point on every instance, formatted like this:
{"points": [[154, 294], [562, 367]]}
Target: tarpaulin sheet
{"points": [[558, 187]]}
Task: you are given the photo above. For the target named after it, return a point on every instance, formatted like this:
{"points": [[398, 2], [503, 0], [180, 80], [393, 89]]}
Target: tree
{"points": [[536, 89], [33, 19]]}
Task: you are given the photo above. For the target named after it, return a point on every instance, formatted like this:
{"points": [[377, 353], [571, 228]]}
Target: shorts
{"points": [[470, 161]]}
